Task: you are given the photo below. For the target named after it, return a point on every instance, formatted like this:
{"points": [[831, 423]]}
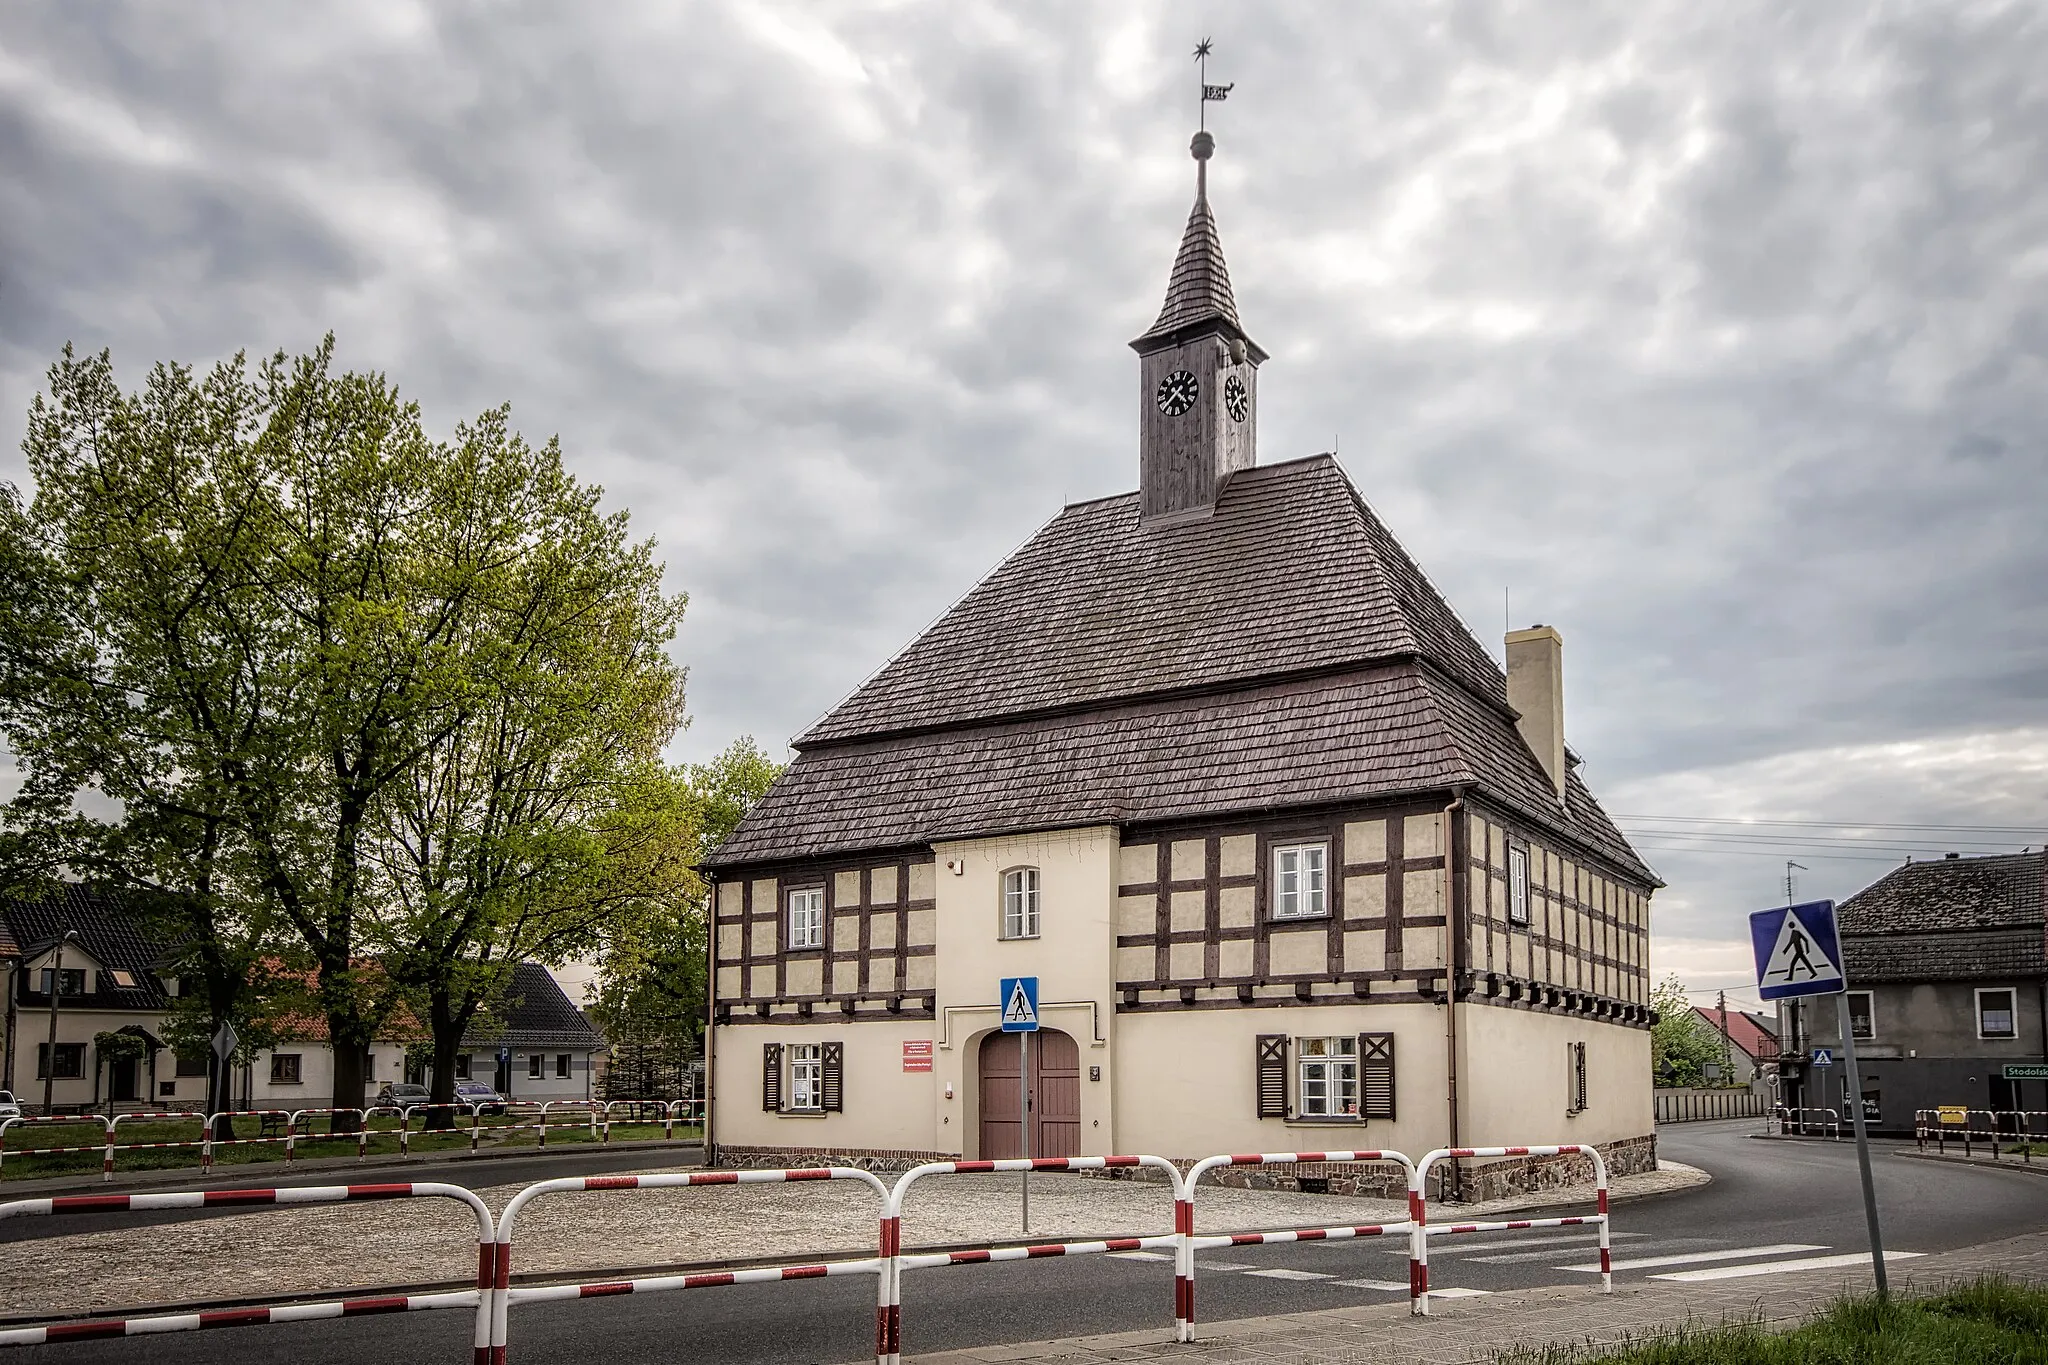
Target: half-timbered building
{"points": [[1297, 864]]}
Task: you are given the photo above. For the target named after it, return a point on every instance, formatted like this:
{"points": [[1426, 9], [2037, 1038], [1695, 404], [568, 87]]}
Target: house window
{"points": [[1020, 903], [462, 1066], [124, 979], [1298, 880], [1575, 1078], [70, 981], [1329, 1077], [284, 1068], [807, 918], [1862, 1015], [535, 1065], [1994, 1015], [193, 1063], [70, 1061], [1518, 886], [562, 1066], [806, 1076]]}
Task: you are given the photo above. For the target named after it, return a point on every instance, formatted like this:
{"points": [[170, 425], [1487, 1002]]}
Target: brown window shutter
{"points": [[1578, 1078], [771, 1077], [832, 1077], [1376, 1075], [1272, 1073]]}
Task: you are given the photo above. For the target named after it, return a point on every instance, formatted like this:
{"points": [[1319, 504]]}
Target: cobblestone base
{"points": [[1483, 1181], [860, 1158]]}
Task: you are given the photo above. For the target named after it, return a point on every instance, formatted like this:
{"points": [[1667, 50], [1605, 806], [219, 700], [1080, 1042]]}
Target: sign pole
{"points": [[1855, 1078], [1024, 1115]]}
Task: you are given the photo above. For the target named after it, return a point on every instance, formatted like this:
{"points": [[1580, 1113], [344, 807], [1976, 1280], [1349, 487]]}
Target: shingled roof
{"points": [[536, 1013], [1293, 573], [1954, 919], [108, 930], [1198, 290], [1285, 652]]}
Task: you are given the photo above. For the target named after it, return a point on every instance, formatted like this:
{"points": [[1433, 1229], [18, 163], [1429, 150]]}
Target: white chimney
{"points": [[1536, 689]]}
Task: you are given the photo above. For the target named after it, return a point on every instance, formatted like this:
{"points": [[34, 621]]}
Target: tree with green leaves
{"points": [[545, 822], [279, 628], [652, 989], [1680, 1048]]}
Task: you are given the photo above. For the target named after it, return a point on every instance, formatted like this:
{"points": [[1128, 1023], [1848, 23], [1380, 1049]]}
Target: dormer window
{"points": [[70, 981], [1299, 881], [1020, 903]]}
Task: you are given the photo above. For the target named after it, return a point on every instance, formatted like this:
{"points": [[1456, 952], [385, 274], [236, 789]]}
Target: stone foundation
{"points": [[860, 1158], [1497, 1178]]}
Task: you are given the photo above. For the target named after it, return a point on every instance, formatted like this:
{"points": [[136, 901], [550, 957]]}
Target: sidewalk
{"points": [[1462, 1331]]}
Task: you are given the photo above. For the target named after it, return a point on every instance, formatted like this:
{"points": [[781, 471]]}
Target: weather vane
{"points": [[1219, 93]]}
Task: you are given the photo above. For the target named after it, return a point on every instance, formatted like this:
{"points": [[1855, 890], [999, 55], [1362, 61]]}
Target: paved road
{"points": [[1768, 1197]]}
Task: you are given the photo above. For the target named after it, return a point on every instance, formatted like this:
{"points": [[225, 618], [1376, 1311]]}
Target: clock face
{"points": [[1237, 398], [1177, 393]]}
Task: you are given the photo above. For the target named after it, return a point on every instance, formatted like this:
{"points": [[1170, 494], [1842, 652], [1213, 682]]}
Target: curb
{"points": [[2016, 1164], [180, 1177]]}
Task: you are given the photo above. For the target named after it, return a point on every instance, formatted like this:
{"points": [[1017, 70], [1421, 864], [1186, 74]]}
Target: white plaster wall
{"points": [[886, 1108], [1514, 1071], [1186, 1081]]}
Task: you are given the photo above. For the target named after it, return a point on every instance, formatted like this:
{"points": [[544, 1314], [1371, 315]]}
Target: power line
{"points": [[1838, 824], [1758, 853], [1822, 840]]}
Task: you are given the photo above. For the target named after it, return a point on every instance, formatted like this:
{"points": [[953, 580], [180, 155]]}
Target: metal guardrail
{"points": [[1691, 1106], [2021, 1132], [1803, 1118]]}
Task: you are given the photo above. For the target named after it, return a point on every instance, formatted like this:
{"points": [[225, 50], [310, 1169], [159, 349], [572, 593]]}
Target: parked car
{"points": [[10, 1107], [487, 1100], [403, 1094]]}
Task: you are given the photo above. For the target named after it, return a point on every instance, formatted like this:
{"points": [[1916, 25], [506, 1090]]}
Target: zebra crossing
{"points": [[1682, 1260]]}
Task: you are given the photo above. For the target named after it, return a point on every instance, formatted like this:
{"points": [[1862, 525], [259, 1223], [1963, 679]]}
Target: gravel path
{"points": [[327, 1248]]}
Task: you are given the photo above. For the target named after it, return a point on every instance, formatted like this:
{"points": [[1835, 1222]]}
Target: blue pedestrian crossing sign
{"points": [[1019, 995], [1797, 951], [1823, 1056]]}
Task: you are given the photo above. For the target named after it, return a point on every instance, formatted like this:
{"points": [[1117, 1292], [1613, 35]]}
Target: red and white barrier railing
{"points": [[212, 1144], [114, 1143], [479, 1298], [1189, 1241], [1418, 1254], [2014, 1126], [1789, 1118], [505, 1295], [96, 1122], [426, 1112], [889, 1295]]}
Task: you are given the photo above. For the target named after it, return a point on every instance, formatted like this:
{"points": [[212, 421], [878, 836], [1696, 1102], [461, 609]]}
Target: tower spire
{"points": [[1198, 371]]}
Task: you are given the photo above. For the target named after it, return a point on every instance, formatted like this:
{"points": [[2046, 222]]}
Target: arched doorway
{"points": [[1055, 1089]]}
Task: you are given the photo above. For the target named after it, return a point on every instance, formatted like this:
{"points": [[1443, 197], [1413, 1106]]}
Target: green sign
{"points": [[2026, 1071]]}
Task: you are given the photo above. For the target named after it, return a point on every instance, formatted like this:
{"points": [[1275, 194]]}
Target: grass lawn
{"points": [[498, 1133], [1989, 1322]]}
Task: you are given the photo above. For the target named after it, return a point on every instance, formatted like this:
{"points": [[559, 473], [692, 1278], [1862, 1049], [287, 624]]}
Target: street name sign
{"points": [[2026, 1071], [1019, 995], [1797, 951]]}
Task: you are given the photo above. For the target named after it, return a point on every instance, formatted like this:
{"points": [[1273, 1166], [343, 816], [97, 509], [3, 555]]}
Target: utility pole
{"points": [[50, 1049], [1727, 1046]]}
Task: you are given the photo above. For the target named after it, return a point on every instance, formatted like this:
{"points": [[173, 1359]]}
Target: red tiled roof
{"points": [[1744, 1030]]}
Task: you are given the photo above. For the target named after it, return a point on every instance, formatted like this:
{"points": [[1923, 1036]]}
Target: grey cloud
{"points": [[1720, 335]]}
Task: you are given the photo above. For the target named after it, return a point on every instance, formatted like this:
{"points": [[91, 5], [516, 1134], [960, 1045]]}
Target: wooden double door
{"points": [[1055, 1090]]}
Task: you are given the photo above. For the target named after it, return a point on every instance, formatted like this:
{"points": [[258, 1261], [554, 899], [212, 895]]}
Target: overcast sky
{"points": [[1718, 335]]}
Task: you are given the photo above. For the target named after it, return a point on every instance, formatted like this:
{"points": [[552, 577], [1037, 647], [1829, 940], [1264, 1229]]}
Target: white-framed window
{"points": [[561, 1066], [284, 1068], [1518, 885], [1299, 880], [1020, 903], [806, 1076], [536, 1066], [1995, 1014], [1862, 1015], [1329, 1076], [462, 1066], [807, 918]]}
